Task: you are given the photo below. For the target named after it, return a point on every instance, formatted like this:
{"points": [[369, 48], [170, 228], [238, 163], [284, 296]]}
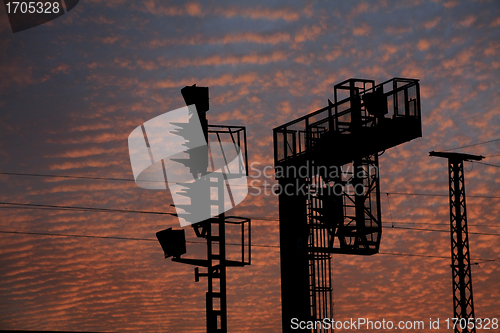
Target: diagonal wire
{"points": [[199, 242], [472, 145], [85, 208], [488, 164]]}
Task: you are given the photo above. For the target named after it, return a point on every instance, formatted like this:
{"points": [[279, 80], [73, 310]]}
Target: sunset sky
{"points": [[72, 90]]}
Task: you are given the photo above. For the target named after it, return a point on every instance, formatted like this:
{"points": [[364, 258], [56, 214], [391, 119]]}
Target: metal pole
{"points": [[463, 301]]}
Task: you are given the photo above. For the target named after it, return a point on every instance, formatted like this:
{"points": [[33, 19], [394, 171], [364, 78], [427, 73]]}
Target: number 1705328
{"points": [[32, 7], [470, 323]]}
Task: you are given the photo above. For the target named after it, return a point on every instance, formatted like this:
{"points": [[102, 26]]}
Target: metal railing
{"points": [[231, 141], [297, 137]]}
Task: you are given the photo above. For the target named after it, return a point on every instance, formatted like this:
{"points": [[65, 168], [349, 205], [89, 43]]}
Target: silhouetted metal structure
{"points": [[463, 302], [214, 231], [213, 192], [335, 206]]}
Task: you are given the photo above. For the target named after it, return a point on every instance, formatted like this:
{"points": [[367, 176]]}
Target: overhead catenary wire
{"points": [[261, 186], [473, 144], [59, 207], [447, 231], [488, 164], [194, 242], [12, 205], [443, 195], [64, 176], [105, 237]]}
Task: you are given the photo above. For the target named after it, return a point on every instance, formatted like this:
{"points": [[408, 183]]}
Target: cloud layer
{"points": [[72, 90]]}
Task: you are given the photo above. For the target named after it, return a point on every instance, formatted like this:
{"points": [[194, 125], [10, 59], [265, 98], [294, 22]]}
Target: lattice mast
{"points": [[338, 145], [463, 301]]}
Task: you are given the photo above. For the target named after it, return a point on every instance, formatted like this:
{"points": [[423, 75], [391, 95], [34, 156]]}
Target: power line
{"points": [[260, 218], [444, 195], [416, 255], [439, 257], [89, 177], [64, 176], [443, 224], [484, 260], [85, 208], [15, 205], [74, 235], [447, 231], [263, 186], [398, 222], [472, 145], [154, 240], [488, 164], [110, 237]]}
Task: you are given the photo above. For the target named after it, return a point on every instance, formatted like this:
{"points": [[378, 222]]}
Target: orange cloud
{"points": [[308, 34], [495, 22], [362, 30], [432, 23], [467, 21], [423, 45], [283, 13]]}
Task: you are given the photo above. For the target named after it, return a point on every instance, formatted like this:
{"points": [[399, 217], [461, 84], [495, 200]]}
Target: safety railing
{"points": [[228, 150], [397, 98]]}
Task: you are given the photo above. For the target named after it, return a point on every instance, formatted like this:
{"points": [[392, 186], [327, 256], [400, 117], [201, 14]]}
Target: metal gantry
{"points": [[463, 301], [339, 210]]}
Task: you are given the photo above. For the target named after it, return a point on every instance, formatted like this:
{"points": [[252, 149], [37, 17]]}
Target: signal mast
{"points": [[214, 167]]}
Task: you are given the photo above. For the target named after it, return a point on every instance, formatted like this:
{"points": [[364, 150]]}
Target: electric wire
{"points": [[261, 186], [260, 218], [488, 164], [86, 208], [443, 195], [447, 231], [199, 242], [64, 176], [474, 144], [14, 205]]}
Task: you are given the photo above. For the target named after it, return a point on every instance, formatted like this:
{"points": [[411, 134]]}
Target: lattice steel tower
{"points": [[334, 207], [463, 302]]}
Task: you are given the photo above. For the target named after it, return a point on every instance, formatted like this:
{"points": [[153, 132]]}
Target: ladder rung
{"points": [[215, 312]]}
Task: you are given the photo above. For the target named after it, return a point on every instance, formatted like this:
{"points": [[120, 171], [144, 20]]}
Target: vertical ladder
{"points": [[312, 264], [320, 280], [216, 254]]}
